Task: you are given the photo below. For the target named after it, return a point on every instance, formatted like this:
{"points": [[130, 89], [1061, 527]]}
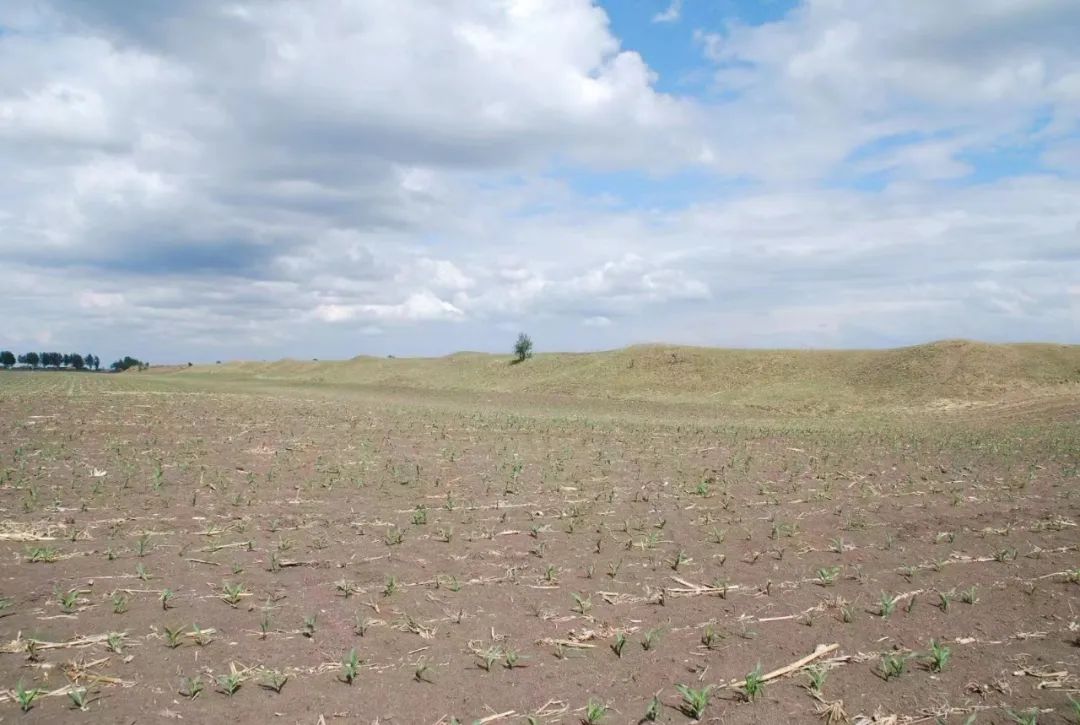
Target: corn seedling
{"points": [[709, 637], [201, 637], [939, 656], [886, 605], [309, 627], [166, 597], [230, 683], [391, 586], [753, 685], [694, 700], [350, 666], [231, 593], [969, 596], [274, 680], [78, 698], [582, 605], [68, 600], [594, 712], [650, 638], [826, 576], [173, 636], [944, 600], [394, 537], [892, 666], [25, 697], [422, 673], [140, 571], [42, 554], [143, 545], [652, 712], [488, 658], [1024, 717], [190, 687], [115, 642], [619, 643], [679, 559], [815, 679], [512, 659]]}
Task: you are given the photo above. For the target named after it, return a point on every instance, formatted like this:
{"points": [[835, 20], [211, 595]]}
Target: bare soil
{"points": [[426, 535]]}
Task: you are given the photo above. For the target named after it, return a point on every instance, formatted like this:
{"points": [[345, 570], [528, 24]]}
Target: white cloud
{"points": [[670, 14], [273, 173]]}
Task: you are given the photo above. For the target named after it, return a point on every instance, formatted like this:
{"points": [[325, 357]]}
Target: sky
{"points": [[257, 179]]}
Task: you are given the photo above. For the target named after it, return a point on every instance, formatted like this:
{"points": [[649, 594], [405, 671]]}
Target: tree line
{"points": [[72, 360]]}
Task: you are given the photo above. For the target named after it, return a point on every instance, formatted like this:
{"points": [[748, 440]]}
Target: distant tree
{"points": [[7, 358], [126, 363], [523, 348], [77, 361], [65, 359], [32, 359]]}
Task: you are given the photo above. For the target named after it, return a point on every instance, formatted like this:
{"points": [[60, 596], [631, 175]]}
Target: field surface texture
{"points": [[654, 533]]}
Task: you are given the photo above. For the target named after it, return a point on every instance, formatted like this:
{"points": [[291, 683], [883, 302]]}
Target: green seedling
{"points": [[969, 596], [753, 685], [391, 586], [201, 636], [143, 545], [594, 712], [350, 667], [140, 571], [115, 642], [190, 687], [422, 673], [274, 680], [618, 644], [650, 638], [709, 637], [119, 603], [166, 597], [231, 593], [230, 683], [652, 712], [78, 698], [679, 559], [944, 600], [173, 636], [345, 588], [815, 679], [42, 555], [361, 625], [488, 658], [1024, 717], [582, 605], [892, 666], [68, 601], [309, 627], [25, 697], [512, 660], [694, 700], [419, 516], [826, 576], [939, 656], [394, 537], [886, 605]]}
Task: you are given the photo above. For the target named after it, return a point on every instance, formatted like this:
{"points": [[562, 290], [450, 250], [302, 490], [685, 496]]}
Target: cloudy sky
{"points": [[264, 178]]}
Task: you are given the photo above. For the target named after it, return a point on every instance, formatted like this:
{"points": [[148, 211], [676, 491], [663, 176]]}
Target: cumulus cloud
{"points": [[242, 179]]}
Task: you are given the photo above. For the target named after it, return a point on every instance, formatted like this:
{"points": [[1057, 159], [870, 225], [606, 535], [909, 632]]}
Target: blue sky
{"points": [[202, 181]]}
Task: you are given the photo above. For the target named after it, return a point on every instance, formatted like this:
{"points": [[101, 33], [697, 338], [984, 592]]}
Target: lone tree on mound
{"points": [[523, 348]]}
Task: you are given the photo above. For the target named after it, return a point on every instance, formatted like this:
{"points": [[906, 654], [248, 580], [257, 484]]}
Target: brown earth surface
{"points": [[482, 555]]}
